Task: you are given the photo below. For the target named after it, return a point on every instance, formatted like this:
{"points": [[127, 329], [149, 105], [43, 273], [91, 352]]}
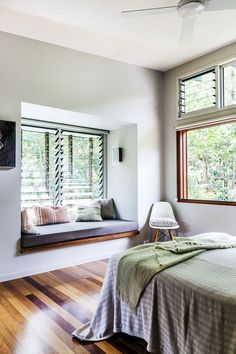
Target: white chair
{"points": [[162, 218]]}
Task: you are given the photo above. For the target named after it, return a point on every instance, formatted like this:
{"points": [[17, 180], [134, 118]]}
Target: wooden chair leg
{"points": [[156, 235], [171, 235]]}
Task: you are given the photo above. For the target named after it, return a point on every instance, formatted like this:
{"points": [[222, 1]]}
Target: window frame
{"points": [[37, 125], [202, 110], [182, 173], [219, 107], [222, 84]]}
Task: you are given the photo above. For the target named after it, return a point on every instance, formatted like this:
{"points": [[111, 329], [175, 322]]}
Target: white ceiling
{"points": [[97, 27]]}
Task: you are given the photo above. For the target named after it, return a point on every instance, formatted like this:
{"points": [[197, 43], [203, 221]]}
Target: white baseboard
{"points": [[38, 270]]}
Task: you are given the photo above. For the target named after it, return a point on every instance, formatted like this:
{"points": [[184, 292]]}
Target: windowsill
{"points": [[210, 202], [207, 111]]}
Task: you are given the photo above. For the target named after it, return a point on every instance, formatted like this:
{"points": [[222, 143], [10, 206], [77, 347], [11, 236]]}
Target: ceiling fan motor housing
{"points": [[188, 8]]}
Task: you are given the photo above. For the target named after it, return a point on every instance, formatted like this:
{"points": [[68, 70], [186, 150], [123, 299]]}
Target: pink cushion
{"points": [[27, 226], [51, 215]]}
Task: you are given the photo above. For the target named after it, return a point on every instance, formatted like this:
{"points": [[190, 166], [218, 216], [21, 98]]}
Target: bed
{"points": [[189, 308]]}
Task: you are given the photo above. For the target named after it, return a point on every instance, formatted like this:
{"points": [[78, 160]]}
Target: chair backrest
{"points": [[162, 210]]}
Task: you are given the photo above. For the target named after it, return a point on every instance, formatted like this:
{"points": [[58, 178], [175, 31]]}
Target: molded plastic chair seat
{"points": [[162, 218]]}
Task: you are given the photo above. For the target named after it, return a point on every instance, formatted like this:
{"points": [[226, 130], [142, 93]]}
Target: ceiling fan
{"points": [[188, 9]]}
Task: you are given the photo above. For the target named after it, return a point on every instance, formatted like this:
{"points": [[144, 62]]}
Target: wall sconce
{"points": [[117, 155]]}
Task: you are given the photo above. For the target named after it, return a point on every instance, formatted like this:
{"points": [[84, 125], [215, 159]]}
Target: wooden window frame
{"points": [[182, 169]]}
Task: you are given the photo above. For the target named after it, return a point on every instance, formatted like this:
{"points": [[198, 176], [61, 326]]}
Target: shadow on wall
{"points": [[146, 232], [184, 228]]}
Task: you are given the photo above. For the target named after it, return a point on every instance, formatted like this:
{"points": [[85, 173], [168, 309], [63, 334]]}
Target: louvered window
{"points": [[83, 167], [38, 172], [60, 167], [197, 92]]}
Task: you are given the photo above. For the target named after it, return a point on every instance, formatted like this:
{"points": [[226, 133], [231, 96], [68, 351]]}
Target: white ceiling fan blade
{"points": [[217, 5], [149, 11], [187, 30]]}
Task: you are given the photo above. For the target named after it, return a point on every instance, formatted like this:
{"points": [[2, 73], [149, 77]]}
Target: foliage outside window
{"points": [[207, 164], [210, 90], [60, 167], [82, 168]]}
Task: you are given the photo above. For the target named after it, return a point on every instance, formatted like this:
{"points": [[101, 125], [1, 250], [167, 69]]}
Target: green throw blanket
{"points": [[139, 264]]}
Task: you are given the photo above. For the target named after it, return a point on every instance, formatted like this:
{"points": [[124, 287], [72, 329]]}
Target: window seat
{"points": [[79, 232]]}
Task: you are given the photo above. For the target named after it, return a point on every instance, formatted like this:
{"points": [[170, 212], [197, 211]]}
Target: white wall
{"points": [[196, 218], [48, 75], [122, 177]]}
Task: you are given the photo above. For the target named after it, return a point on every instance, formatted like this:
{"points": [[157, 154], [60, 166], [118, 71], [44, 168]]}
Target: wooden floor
{"points": [[39, 313]]}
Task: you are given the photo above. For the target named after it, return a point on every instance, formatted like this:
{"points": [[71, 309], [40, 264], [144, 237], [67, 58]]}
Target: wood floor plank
{"points": [[39, 313], [96, 281], [74, 276], [86, 286], [7, 339], [73, 292], [43, 326], [24, 290], [61, 299], [4, 347], [12, 327], [7, 329], [67, 327], [85, 275], [120, 345], [86, 272], [80, 285]]}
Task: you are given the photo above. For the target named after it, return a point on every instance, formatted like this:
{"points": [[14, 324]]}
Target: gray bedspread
{"points": [[189, 308]]}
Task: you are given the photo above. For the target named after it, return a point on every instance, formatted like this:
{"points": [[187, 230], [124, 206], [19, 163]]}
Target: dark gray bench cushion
{"points": [[50, 234]]}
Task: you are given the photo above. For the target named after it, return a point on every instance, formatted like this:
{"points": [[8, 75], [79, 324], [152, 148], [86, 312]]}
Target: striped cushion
{"points": [[51, 215]]}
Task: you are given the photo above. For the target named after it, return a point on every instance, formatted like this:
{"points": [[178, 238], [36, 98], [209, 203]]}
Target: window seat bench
{"points": [[78, 232]]}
